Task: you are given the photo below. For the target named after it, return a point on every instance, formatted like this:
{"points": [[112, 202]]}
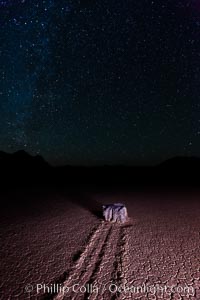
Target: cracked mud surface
{"points": [[63, 243]]}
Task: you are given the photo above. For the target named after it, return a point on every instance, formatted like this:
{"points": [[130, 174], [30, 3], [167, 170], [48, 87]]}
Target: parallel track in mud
{"points": [[103, 265]]}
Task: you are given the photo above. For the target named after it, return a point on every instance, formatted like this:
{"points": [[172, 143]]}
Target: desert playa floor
{"points": [[55, 245]]}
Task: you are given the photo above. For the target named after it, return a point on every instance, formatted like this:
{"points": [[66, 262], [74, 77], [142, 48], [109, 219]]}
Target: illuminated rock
{"points": [[116, 212]]}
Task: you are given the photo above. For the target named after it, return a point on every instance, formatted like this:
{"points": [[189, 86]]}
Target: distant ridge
{"points": [[21, 159], [22, 169], [181, 162]]}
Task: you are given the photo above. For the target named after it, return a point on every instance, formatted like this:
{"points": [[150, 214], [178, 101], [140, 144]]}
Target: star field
{"points": [[100, 82]]}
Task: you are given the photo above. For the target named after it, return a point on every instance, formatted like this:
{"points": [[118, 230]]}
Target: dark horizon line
{"points": [[100, 165]]}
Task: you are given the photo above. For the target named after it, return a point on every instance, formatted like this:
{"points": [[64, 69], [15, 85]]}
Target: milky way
{"points": [[86, 82]]}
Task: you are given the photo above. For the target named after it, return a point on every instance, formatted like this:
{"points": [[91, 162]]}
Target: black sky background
{"points": [[100, 82]]}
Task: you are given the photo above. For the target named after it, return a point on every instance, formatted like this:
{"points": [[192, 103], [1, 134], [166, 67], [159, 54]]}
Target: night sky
{"points": [[100, 82]]}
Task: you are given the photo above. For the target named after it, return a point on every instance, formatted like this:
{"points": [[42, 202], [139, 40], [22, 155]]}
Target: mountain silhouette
{"points": [[21, 159], [182, 162], [22, 168]]}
